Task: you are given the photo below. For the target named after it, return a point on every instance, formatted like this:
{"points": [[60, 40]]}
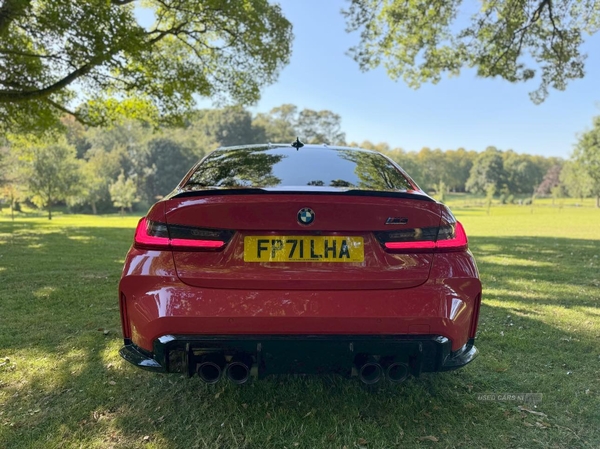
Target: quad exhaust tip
{"points": [[397, 372], [238, 370], [371, 370], [370, 373], [211, 368]]}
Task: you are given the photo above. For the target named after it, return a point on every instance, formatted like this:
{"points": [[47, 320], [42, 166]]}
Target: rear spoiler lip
{"points": [[414, 195]]}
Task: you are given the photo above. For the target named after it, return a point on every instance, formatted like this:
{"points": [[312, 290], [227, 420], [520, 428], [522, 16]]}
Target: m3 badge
{"points": [[396, 221]]}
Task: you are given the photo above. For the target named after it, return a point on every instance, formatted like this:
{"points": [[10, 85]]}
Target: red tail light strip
{"points": [[145, 241], [183, 243], [426, 244], [458, 243], [142, 239]]}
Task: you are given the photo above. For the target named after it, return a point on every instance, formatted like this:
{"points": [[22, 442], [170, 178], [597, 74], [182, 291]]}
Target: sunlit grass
{"points": [[479, 201], [62, 383]]}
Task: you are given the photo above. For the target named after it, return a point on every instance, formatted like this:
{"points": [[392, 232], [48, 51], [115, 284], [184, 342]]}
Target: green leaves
{"points": [[52, 174], [123, 192], [420, 40], [284, 123], [587, 159], [56, 55]]}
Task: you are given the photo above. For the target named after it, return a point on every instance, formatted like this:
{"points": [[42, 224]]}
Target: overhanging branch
{"points": [[62, 108], [24, 95]]}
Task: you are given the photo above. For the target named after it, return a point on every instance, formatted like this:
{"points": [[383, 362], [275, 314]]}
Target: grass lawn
{"points": [[62, 383]]}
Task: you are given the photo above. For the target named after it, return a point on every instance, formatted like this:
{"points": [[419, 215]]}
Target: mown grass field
{"points": [[62, 383]]}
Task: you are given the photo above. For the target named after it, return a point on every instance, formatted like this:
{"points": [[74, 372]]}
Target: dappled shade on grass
{"points": [[65, 385]]}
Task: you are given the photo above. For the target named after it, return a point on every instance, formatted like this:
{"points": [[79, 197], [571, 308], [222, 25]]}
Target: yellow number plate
{"points": [[281, 248]]}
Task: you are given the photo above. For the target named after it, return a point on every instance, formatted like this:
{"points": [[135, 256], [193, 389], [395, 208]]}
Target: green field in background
{"points": [[62, 383]]}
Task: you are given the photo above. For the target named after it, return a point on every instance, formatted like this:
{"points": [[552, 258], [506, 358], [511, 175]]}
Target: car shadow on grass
{"points": [[64, 384]]}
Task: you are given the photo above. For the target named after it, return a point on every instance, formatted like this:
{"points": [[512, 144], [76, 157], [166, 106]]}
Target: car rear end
{"points": [[272, 259]]}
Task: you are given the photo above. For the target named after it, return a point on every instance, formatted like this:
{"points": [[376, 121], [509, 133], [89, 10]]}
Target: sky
{"points": [[464, 111]]}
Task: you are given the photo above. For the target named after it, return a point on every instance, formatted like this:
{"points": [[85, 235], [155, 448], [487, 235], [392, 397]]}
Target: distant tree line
{"points": [[462, 170], [133, 163]]}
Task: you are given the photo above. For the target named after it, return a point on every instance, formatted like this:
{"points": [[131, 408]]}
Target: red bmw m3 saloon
{"points": [[299, 259]]}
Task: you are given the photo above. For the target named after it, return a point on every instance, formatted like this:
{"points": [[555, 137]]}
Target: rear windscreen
{"points": [[286, 167]]}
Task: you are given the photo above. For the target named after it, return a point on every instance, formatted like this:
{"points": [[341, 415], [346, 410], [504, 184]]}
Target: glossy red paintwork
{"points": [[276, 214], [173, 291], [158, 303]]}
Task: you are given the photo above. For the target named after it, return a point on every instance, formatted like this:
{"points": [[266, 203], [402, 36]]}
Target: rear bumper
{"points": [[162, 315], [276, 354]]}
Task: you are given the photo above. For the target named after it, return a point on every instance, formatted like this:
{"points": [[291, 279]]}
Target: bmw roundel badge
{"points": [[306, 216]]}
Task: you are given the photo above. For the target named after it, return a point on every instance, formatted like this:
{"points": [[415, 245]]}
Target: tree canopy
{"points": [[57, 54], [284, 123], [587, 158], [98, 61], [52, 174], [419, 40]]}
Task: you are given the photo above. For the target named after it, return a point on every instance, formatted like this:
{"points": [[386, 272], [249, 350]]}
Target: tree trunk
{"points": [[49, 212], [598, 200], [12, 210], [94, 211]]}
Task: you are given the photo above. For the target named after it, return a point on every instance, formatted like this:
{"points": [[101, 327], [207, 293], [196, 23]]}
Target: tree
{"points": [[550, 181], [488, 169], [279, 124], [57, 53], [490, 191], [123, 192], [320, 127], [522, 173], [237, 168], [97, 173], [587, 156], [53, 174], [76, 135], [227, 126], [170, 161], [459, 163], [128, 142], [11, 178], [440, 191], [576, 180], [433, 167], [408, 161], [284, 123], [419, 40]]}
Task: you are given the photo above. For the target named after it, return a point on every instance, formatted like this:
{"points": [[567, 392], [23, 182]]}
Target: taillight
{"points": [[154, 235], [452, 238], [449, 236], [151, 235]]}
